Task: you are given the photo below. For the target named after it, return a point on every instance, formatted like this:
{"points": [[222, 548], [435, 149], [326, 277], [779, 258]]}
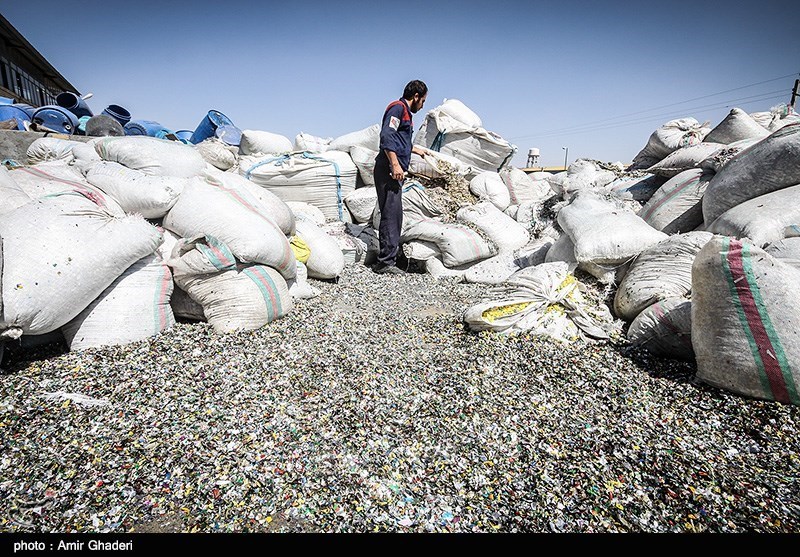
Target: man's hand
{"points": [[397, 172], [419, 150]]}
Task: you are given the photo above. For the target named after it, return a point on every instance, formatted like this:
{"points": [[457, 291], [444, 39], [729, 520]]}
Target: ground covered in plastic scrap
{"points": [[371, 408]]}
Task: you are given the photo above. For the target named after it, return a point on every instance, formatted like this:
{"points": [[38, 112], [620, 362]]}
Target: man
{"points": [[390, 167]]}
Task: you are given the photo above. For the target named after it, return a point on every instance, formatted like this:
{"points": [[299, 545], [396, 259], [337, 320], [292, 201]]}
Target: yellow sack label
{"points": [[301, 250]]}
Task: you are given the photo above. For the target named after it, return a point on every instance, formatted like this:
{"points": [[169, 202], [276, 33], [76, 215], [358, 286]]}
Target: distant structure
{"points": [[25, 75], [533, 157]]}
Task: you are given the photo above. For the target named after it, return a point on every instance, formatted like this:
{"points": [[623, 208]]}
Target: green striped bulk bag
{"points": [[665, 329], [769, 165], [234, 296], [746, 320], [134, 307]]}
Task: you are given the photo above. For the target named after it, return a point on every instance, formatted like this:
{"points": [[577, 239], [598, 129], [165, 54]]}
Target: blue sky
{"points": [[596, 78]]}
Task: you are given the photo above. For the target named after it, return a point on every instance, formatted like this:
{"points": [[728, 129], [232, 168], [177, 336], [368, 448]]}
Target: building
{"points": [[25, 75]]}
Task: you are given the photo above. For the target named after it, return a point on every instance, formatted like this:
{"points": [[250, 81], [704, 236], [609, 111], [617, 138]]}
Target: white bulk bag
{"points": [[677, 206], [50, 149], [256, 142], [736, 126], [59, 254], [660, 272], [312, 143], [745, 318], [326, 260], [158, 157], [636, 185], [436, 165], [490, 186], [523, 188], [499, 268], [361, 203], [368, 138], [685, 158], [769, 165], [604, 234], [665, 329], [762, 219], [457, 243], [506, 233], [273, 205], [217, 153], [134, 307], [322, 180], [304, 210], [670, 137], [234, 296], [364, 159], [135, 191], [11, 195], [235, 218]]}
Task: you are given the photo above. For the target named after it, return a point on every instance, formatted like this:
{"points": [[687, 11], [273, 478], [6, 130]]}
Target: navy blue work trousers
{"points": [[390, 203]]}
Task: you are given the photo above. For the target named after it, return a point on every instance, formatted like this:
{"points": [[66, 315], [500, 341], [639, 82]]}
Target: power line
{"points": [[593, 127], [658, 107]]}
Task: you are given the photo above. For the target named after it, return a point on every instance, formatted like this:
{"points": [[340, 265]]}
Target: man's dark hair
{"points": [[413, 88]]}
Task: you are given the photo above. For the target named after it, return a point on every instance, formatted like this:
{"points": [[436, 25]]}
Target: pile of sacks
{"points": [[108, 241], [700, 249]]}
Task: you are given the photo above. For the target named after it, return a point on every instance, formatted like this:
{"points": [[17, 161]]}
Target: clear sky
{"points": [[596, 77]]}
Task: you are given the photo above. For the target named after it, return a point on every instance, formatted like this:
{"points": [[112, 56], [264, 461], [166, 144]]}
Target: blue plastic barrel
{"points": [[184, 135], [6, 100], [229, 134], [74, 104], [56, 118], [209, 125], [9, 111], [118, 113], [26, 107], [145, 127]]}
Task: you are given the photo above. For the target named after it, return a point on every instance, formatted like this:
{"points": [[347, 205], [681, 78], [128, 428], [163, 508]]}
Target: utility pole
{"points": [[794, 92]]}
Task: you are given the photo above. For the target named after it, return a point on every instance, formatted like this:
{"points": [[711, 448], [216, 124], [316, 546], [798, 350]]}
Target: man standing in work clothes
{"points": [[390, 167]]}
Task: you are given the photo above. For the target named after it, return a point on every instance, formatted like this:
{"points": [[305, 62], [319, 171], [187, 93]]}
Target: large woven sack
{"points": [[665, 329], [660, 272], [685, 158], [670, 137], [300, 209], [604, 234], [677, 206], [11, 195], [158, 157], [311, 143], [480, 149], [134, 307], [458, 244], [361, 203], [234, 296], [499, 268], [787, 250], [136, 192], [544, 300], [776, 117], [416, 206], [59, 254], [50, 149], [490, 186], [364, 159], [273, 205], [322, 180], [523, 188], [459, 112], [256, 142], [583, 174], [437, 165], [506, 233], [736, 126], [56, 178], [326, 260], [745, 319], [217, 153], [368, 138], [769, 165], [763, 219], [636, 185], [236, 219]]}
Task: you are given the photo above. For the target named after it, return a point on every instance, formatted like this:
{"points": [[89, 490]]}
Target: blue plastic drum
{"points": [[208, 127]]}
